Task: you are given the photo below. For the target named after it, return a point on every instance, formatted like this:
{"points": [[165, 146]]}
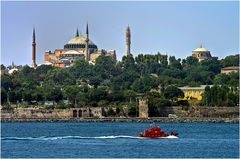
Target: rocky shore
{"points": [[155, 119]]}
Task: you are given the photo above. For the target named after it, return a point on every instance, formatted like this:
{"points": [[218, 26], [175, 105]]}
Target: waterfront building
{"points": [[193, 92], [80, 47], [201, 54], [228, 70]]}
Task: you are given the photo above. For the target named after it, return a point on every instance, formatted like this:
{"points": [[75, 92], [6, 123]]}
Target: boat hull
{"points": [[160, 137]]}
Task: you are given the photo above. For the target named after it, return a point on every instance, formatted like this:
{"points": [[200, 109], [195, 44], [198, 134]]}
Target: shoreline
{"points": [[149, 120]]}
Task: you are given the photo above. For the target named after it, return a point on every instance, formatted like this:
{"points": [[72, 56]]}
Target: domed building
{"points": [[201, 53], [78, 47]]}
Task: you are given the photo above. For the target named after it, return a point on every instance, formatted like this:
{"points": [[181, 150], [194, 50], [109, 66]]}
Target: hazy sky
{"points": [[175, 28]]}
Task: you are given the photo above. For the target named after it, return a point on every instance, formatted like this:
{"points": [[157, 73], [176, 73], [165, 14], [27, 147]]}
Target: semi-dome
{"points": [[80, 40], [71, 52]]}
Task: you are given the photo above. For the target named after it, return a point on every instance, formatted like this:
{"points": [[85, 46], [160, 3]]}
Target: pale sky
{"points": [[175, 28]]}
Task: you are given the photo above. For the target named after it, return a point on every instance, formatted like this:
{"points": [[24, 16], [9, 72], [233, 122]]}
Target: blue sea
{"points": [[117, 140]]}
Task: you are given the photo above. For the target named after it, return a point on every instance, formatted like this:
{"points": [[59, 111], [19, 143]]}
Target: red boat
{"points": [[156, 132]]}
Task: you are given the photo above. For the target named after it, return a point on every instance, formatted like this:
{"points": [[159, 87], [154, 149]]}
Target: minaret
{"points": [[77, 34], [87, 56], [34, 50], [128, 41]]}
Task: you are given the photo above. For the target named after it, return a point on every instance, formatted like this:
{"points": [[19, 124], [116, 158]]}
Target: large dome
{"points": [[80, 40], [201, 49]]}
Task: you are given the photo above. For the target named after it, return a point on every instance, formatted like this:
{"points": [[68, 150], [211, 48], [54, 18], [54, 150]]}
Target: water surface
{"points": [[117, 139]]}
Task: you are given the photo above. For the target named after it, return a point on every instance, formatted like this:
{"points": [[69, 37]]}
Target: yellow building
{"points": [[193, 92]]}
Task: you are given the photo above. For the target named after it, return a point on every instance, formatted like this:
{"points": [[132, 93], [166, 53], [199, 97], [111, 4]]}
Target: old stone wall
{"points": [[225, 112], [165, 111], [28, 113], [31, 113], [36, 113]]}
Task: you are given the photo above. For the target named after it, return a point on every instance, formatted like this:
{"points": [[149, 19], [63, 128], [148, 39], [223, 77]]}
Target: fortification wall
{"points": [[24, 113], [209, 112], [224, 112]]}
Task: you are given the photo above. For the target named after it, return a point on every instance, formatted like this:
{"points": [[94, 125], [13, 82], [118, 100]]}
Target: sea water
{"points": [[117, 140]]}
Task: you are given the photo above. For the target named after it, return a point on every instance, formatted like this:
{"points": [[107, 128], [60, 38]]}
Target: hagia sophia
{"points": [[82, 47], [78, 47]]}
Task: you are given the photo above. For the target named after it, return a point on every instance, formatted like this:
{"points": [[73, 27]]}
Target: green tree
{"points": [[175, 63], [232, 60], [97, 94], [3, 95], [190, 61], [81, 99], [3, 67], [212, 65], [111, 112], [70, 93], [221, 79], [61, 76], [105, 66], [82, 70], [128, 62], [132, 111], [172, 93], [142, 85]]}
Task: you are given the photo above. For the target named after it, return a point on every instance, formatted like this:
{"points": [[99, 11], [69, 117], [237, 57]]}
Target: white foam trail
{"points": [[78, 137], [115, 137], [68, 137]]}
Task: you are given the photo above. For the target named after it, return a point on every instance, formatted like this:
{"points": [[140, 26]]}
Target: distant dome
{"points": [[201, 49], [80, 40], [12, 70]]}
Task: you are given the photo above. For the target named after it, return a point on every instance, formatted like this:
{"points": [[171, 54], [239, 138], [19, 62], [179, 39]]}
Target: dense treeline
{"points": [[220, 96], [112, 83]]}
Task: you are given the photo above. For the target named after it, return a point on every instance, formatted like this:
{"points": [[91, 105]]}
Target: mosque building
{"points": [[201, 54], [80, 47]]}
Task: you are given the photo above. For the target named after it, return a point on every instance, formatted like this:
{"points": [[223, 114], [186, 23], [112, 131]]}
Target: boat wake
{"points": [[76, 137], [68, 137]]}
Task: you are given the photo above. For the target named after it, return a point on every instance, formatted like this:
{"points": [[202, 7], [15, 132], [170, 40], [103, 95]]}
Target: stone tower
{"points": [[34, 50], [87, 56], [128, 41], [143, 108]]}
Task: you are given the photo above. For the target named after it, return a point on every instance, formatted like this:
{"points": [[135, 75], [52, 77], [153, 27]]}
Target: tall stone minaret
{"points": [[87, 56], [34, 50], [128, 41]]}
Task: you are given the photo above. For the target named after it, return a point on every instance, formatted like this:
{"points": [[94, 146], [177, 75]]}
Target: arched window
{"points": [[80, 113], [74, 113]]}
